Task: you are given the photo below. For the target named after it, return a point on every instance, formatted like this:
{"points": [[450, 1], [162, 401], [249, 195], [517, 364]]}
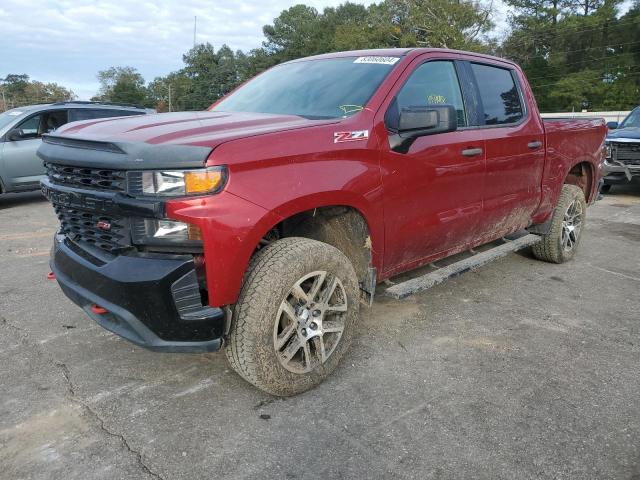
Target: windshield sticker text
{"points": [[436, 99], [339, 137], [381, 60]]}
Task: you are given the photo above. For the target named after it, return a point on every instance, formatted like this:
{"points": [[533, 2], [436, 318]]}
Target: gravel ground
{"points": [[518, 370]]}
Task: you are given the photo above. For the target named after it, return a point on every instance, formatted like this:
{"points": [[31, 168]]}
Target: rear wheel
{"points": [[295, 316], [561, 242]]}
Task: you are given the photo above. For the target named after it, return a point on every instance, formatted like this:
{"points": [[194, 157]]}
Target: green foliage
{"points": [[121, 85], [577, 52], [437, 23], [18, 90]]}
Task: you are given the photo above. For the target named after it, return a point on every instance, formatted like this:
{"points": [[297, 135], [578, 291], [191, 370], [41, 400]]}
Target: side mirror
{"points": [[15, 134], [416, 122], [612, 125]]}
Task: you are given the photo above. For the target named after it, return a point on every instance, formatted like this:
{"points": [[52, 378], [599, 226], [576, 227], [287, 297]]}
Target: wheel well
{"points": [[581, 175], [340, 226]]}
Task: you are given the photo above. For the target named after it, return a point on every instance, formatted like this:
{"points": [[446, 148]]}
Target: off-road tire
{"points": [[272, 273], [550, 249]]}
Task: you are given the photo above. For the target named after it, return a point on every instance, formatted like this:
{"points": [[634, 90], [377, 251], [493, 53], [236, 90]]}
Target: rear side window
{"points": [[433, 83], [94, 113], [499, 95]]}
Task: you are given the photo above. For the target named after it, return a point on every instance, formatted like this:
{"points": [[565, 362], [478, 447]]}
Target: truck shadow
{"points": [[8, 200], [630, 189]]}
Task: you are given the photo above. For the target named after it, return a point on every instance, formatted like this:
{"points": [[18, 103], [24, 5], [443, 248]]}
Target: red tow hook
{"points": [[98, 310], [51, 276]]}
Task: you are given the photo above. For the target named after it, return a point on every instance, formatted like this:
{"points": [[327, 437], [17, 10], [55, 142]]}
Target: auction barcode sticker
{"points": [[381, 60]]}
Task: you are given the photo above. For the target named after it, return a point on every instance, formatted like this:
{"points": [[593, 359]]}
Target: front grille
{"points": [[91, 178], [82, 225], [627, 153]]}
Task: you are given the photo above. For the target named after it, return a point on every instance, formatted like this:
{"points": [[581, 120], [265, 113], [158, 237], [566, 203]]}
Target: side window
{"points": [[53, 120], [95, 113], [129, 113], [499, 94], [30, 127], [433, 83], [76, 114]]}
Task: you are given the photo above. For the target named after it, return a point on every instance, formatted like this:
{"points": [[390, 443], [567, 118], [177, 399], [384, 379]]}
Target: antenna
{"points": [[195, 28]]}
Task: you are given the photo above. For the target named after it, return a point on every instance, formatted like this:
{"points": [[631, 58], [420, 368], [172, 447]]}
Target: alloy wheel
{"points": [[572, 225], [310, 322]]}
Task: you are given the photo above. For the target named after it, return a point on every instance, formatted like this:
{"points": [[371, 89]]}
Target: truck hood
{"points": [[166, 140], [205, 129], [629, 133]]}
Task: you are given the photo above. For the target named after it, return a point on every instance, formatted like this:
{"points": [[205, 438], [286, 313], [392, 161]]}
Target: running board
{"points": [[424, 282]]}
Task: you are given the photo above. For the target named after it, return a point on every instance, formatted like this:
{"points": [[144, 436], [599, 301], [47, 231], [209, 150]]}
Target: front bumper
{"points": [[151, 300], [619, 170], [617, 173]]}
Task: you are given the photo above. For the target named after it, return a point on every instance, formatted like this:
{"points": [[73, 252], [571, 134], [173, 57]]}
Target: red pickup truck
{"points": [[261, 224]]}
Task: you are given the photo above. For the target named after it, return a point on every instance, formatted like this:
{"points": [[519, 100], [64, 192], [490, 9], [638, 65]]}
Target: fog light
{"points": [[149, 231]]}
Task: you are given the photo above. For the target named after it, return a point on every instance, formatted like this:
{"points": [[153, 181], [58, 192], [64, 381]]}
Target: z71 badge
{"points": [[339, 137]]}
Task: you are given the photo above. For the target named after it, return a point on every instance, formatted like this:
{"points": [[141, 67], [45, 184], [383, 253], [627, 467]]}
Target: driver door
{"points": [[433, 191], [22, 164]]}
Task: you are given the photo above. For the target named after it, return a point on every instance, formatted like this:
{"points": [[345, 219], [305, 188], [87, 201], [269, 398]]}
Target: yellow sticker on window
{"points": [[436, 99]]}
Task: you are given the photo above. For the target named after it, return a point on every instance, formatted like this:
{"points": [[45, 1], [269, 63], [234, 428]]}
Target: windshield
{"points": [[10, 116], [331, 88], [633, 120]]}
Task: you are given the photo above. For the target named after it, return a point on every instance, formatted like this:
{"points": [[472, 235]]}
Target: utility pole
{"points": [[195, 27], [170, 98]]}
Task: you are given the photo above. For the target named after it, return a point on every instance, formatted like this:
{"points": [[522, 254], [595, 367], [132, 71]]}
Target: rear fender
{"points": [[557, 174]]}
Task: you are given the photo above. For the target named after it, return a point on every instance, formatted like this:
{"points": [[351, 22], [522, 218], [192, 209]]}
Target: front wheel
{"points": [[295, 316], [561, 242]]}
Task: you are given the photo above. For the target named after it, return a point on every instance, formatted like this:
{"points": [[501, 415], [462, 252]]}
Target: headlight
{"points": [[607, 151], [176, 183], [150, 231]]}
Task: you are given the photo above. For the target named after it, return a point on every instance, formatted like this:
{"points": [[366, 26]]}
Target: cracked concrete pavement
{"points": [[518, 370]]}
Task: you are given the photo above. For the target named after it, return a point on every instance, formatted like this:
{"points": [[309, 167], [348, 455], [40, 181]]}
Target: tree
{"points": [[439, 23], [17, 90], [169, 93], [121, 85], [211, 74], [576, 51], [297, 32]]}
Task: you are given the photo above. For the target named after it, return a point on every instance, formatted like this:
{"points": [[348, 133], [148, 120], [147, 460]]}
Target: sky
{"points": [[68, 42]]}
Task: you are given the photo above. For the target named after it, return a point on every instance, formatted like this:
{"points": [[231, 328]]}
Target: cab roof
{"points": [[398, 52]]}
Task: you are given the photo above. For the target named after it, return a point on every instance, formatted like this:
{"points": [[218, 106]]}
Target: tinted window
{"points": [[93, 113], [53, 120], [433, 83], [331, 88], [498, 93]]}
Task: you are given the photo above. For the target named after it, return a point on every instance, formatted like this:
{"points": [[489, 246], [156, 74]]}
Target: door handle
{"points": [[471, 152], [535, 144]]}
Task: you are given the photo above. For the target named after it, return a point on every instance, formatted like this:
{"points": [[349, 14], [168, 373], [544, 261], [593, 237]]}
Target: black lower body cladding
{"points": [[140, 295]]}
